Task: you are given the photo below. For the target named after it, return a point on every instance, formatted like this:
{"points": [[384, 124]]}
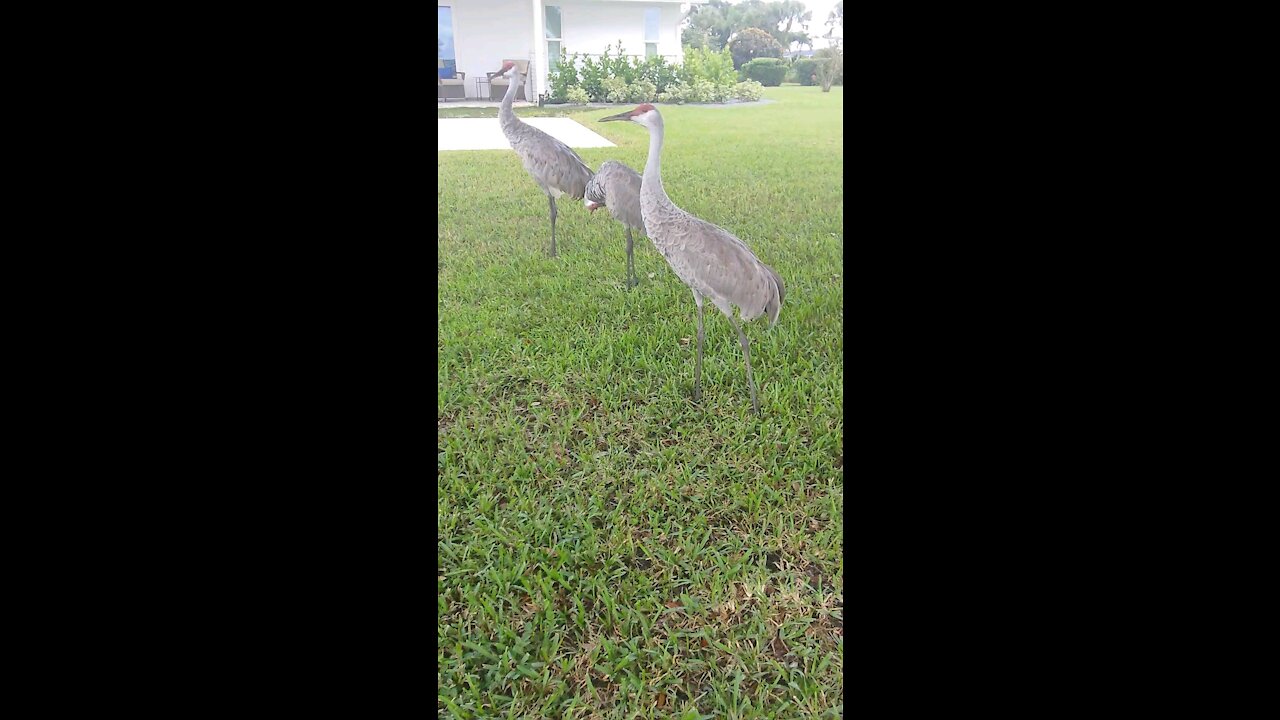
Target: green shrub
{"points": [[705, 77], [677, 92], [619, 66], [657, 71], [768, 71], [714, 67], [748, 91], [563, 77], [642, 91], [615, 90], [592, 76], [753, 43], [701, 91], [803, 71]]}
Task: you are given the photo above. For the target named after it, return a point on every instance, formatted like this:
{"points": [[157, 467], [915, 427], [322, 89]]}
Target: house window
{"points": [[446, 59], [551, 25], [650, 32]]}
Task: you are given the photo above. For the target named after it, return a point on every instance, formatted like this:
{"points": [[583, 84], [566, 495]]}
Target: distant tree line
{"points": [[713, 25], [755, 32]]}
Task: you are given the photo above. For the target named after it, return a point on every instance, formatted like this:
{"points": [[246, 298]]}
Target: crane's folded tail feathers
{"points": [[595, 193], [774, 306]]}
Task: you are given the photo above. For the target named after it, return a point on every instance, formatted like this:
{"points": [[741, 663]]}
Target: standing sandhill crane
{"points": [[709, 259], [617, 187], [554, 166]]}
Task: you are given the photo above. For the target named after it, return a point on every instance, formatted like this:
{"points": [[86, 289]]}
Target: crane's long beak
{"points": [[620, 116]]}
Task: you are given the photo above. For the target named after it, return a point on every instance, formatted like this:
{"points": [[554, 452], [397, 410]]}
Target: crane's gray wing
{"points": [[622, 192], [552, 164], [716, 263]]}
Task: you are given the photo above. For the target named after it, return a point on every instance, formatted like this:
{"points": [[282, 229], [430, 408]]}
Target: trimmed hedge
{"points": [[804, 71], [769, 72]]}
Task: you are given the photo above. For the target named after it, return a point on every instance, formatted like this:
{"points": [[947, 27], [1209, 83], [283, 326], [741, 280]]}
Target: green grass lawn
{"points": [[609, 548]]}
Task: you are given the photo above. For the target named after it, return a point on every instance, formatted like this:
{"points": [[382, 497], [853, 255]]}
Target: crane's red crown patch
{"points": [[642, 109]]}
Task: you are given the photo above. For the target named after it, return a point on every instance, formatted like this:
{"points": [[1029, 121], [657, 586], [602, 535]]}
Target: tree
{"points": [[830, 66], [836, 18], [789, 12], [752, 14], [753, 43], [696, 38], [713, 25]]}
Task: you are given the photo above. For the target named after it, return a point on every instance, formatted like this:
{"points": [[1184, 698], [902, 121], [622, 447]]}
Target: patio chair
{"points": [[498, 85], [452, 88]]}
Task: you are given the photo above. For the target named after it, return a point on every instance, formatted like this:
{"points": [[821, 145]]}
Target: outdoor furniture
{"points": [[498, 85], [452, 88]]}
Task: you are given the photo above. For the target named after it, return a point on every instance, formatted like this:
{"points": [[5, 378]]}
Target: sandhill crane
{"points": [[554, 166], [617, 187], [709, 259]]}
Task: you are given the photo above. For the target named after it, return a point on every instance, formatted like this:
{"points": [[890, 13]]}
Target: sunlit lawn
{"points": [[608, 548]]}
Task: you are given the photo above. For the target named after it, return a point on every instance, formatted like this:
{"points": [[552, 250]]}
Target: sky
{"points": [[821, 9]]}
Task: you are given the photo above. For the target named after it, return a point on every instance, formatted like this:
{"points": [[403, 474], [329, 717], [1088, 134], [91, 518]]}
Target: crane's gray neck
{"points": [[653, 167], [505, 113]]}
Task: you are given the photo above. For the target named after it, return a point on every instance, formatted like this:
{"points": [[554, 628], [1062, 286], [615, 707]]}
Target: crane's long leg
{"points": [[697, 372], [632, 280], [746, 355], [551, 199]]}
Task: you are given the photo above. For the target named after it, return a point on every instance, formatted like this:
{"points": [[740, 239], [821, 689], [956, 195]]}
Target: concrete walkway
{"points": [[486, 134], [446, 105], [472, 103]]}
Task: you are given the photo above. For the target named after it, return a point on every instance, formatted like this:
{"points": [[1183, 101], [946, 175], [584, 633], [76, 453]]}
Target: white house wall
{"points": [[487, 31], [591, 25]]}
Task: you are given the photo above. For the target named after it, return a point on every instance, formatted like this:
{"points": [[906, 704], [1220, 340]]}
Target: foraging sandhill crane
{"points": [[709, 259], [617, 187], [554, 166]]}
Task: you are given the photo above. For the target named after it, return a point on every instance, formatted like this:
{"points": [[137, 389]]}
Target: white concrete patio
{"points": [[473, 103], [486, 134]]}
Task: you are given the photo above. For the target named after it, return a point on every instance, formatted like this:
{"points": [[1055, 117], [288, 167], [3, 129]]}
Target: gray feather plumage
{"points": [[711, 260], [553, 165], [617, 187]]}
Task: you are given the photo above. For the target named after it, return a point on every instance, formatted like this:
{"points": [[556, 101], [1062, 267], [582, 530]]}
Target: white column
{"points": [[538, 54]]}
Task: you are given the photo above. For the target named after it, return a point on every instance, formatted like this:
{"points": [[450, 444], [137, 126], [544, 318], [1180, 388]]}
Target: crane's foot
{"points": [[633, 282]]}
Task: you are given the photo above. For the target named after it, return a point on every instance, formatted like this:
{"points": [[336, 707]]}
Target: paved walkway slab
{"points": [[486, 134]]}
